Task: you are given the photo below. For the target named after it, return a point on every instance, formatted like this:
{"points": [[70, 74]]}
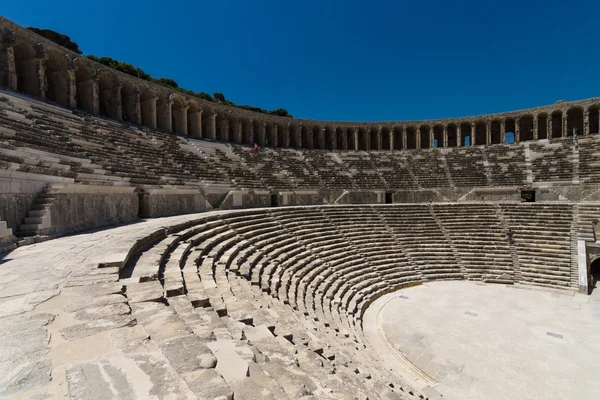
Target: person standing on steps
{"points": [[255, 148]]}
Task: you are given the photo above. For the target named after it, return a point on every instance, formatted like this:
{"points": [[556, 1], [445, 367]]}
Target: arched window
{"points": [[509, 137]]}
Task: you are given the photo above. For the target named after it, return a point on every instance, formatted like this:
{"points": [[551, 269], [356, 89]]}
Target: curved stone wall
{"points": [[38, 67]]}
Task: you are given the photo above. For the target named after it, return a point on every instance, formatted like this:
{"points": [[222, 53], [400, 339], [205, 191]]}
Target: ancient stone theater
{"points": [[148, 250]]}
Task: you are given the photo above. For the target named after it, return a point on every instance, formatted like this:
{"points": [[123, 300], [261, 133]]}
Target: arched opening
{"points": [[350, 142], [526, 128], [374, 139], [317, 138], [194, 119], [340, 136], [163, 114], [452, 135], [509, 129], [411, 137], [465, 130], [509, 137], [594, 274], [246, 132], [425, 139], [59, 85], [259, 132], [362, 139], [270, 137], [385, 138], [280, 133], [306, 137], [480, 133], [594, 119], [556, 124], [222, 127], [398, 141], [293, 135], [495, 132], [178, 115], [85, 87], [27, 69], [233, 129], [130, 110], [107, 95], [575, 121], [330, 138], [438, 136], [542, 126]]}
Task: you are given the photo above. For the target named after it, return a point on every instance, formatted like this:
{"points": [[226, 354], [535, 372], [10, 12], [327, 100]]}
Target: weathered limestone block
{"points": [[299, 198], [164, 202], [80, 207], [246, 199]]}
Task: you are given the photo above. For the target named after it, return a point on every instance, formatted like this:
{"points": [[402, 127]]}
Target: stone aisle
{"points": [[59, 310]]}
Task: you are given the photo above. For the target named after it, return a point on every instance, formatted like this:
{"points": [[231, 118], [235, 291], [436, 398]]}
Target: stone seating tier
{"points": [[268, 295], [141, 156]]}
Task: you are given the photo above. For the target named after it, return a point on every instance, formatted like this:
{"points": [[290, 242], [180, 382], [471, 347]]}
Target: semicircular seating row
{"points": [[278, 295]]}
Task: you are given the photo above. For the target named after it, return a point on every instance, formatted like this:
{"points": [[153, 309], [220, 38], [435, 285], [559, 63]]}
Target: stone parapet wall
{"points": [[80, 207], [246, 199], [165, 202]]}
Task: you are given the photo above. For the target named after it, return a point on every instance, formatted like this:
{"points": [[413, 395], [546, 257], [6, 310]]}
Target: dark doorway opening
{"points": [[527, 196], [274, 200], [594, 274], [389, 197]]}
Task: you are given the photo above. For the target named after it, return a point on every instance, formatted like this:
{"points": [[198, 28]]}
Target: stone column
{"points": [[549, 127], [286, 136], [71, 86], [211, 125], [458, 135], [431, 137], [517, 130], [378, 135], [586, 121], [536, 127], [503, 131], [418, 138], [445, 136], [149, 113], [8, 75], [239, 132], [564, 117], [404, 137], [344, 144], [473, 134], [488, 132]]}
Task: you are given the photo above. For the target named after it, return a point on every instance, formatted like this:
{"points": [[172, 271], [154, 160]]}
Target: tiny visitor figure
{"points": [[255, 148]]}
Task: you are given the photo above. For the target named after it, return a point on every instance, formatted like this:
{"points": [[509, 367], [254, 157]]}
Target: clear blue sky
{"points": [[347, 60]]}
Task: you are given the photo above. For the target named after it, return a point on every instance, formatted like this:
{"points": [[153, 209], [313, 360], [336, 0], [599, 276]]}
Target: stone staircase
{"points": [[38, 221]]}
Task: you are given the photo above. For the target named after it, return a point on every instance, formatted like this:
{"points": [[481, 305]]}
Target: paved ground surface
{"points": [[49, 327], [483, 341]]}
